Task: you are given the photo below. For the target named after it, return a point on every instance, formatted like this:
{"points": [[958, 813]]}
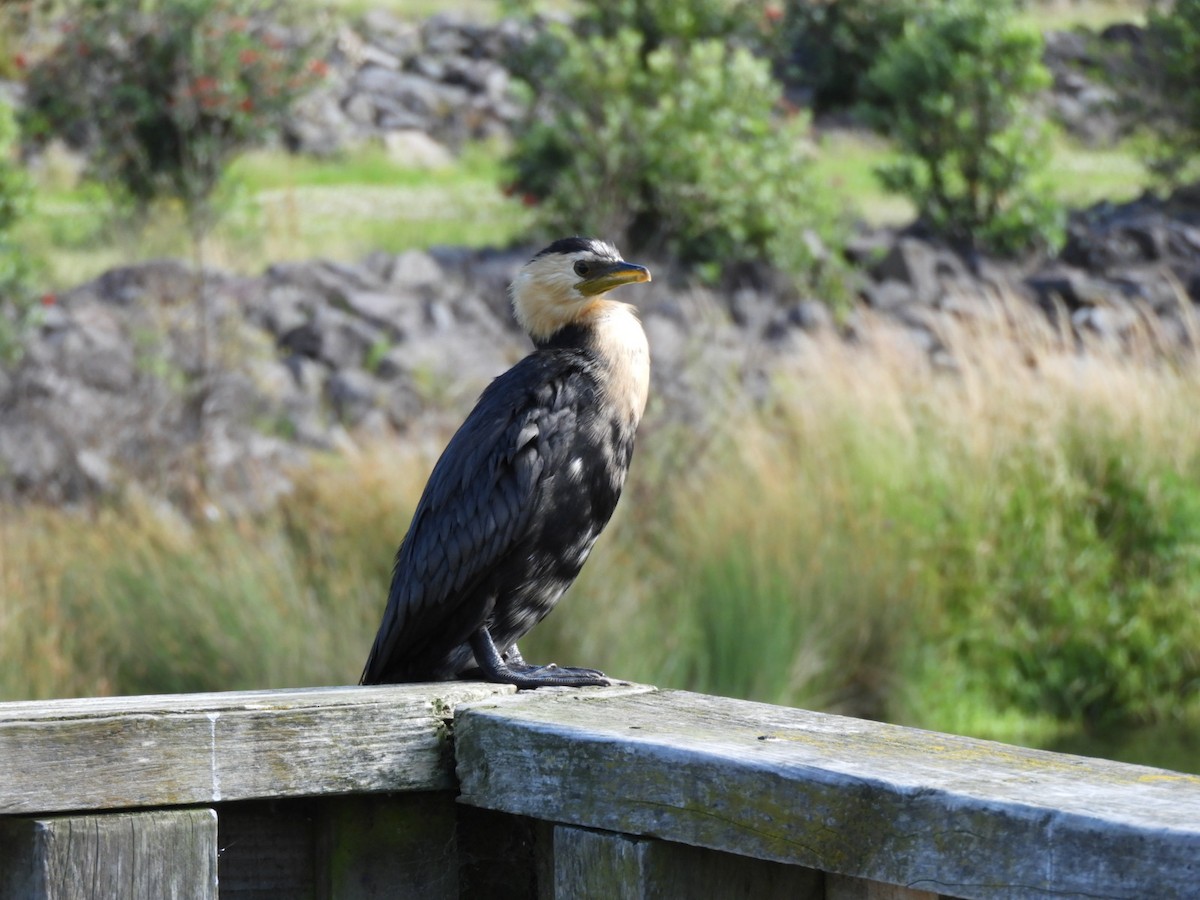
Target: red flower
{"points": [[20, 61], [773, 14], [319, 67], [246, 105], [248, 57], [49, 299]]}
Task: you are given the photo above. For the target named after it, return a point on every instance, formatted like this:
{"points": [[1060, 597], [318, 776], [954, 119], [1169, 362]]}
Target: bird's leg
{"points": [[520, 673], [513, 656]]}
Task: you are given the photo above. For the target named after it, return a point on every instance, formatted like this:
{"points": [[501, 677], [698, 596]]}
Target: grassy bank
{"points": [[278, 207], [1011, 550]]}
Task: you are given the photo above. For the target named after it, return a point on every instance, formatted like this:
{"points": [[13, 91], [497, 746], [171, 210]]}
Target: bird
{"points": [[523, 489]]}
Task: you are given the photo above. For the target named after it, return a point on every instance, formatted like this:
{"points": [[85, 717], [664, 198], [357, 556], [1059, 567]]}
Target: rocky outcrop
{"points": [[416, 88], [131, 382]]}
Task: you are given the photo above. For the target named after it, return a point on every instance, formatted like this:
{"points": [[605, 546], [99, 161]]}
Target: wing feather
{"points": [[476, 506]]}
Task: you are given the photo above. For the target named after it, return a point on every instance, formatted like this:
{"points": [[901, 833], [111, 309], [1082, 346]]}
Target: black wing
{"points": [[478, 503]]}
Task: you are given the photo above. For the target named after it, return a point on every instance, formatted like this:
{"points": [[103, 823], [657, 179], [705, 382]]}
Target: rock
{"points": [[444, 35], [888, 294], [352, 393], [281, 308], [33, 461], [1071, 287], [416, 149], [810, 315], [342, 340], [95, 351], [921, 266], [414, 270], [1080, 99], [363, 111], [1154, 286], [1108, 323], [384, 310], [393, 35], [867, 247], [319, 125]]}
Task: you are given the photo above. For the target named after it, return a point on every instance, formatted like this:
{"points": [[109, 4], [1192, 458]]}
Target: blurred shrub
{"points": [[1083, 601], [17, 312], [955, 91], [828, 46], [163, 94], [1168, 89], [662, 21], [671, 140]]}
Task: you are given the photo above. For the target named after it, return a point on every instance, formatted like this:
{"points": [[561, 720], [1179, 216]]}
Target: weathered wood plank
{"points": [[843, 887], [66, 755], [388, 847], [497, 855], [605, 866], [929, 811], [268, 849], [169, 853]]}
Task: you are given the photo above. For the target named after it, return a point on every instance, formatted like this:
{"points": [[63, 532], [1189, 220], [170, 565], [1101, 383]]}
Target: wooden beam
{"points": [[602, 864], [161, 853], [842, 887], [928, 811], [105, 753]]}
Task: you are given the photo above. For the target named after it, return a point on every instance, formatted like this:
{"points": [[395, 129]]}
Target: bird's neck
{"points": [[610, 330], [616, 337]]}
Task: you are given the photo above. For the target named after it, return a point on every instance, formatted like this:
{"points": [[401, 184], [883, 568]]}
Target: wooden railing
{"points": [[469, 790]]}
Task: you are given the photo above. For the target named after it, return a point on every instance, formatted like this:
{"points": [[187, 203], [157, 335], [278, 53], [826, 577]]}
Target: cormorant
{"points": [[525, 486]]}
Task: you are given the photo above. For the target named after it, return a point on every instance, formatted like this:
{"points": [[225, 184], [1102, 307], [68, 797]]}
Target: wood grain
{"points": [[105, 753], [599, 865], [162, 853], [842, 887], [928, 811]]}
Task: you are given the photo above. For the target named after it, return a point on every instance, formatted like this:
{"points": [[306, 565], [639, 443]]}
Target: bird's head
{"points": [[566, 282]]}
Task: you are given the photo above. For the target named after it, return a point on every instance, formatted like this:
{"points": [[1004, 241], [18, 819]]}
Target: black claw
{"points": [[525, 676]]}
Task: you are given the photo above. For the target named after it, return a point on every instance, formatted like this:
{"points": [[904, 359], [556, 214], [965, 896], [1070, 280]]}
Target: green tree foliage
{"points": [[830, 45], [663, 21], [954, 91], [165, 92], [670, 139], [1169, 89]]}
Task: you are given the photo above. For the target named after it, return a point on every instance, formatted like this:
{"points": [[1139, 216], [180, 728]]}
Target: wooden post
{"points": [[169, 853], [375, 848], [843, 887], [603, 864]]}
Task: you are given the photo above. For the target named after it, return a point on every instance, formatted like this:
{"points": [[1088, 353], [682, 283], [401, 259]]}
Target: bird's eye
{"points": [[582, 268]]}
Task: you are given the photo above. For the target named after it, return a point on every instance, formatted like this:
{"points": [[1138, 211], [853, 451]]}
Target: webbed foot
{"points": [[516, 671]]}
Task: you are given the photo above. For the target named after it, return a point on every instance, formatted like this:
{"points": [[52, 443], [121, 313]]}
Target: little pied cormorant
{"points": [[525, 486]]}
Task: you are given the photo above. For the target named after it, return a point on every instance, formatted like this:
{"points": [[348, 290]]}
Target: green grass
{"points": [[1079, 176], [1093, 14], [281, 207]]}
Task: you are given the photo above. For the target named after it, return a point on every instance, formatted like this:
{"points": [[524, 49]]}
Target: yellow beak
{"points": [[612, 276]]}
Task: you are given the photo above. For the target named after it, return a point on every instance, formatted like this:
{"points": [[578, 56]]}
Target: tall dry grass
{"points": [[1009, 539], [1001, 541]]}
